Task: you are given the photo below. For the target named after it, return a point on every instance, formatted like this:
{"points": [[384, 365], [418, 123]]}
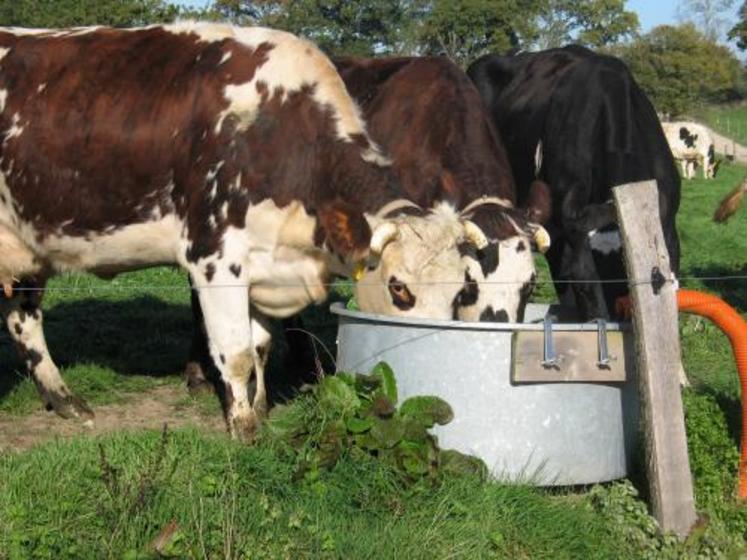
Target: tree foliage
{"points": [[593, 23], [707, 15], [739, 31], [466, 29], [68, 13], [354, 27], [461, 29], [679, 67]]}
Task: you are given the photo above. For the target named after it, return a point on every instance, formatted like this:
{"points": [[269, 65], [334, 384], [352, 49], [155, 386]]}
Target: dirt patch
{"points": [[144, 410]]}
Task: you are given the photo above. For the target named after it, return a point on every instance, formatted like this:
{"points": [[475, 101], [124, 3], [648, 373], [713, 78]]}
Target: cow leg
{"points": [[200, 365], [23, 317], [226, 314], [261, 339], [580, 266]]}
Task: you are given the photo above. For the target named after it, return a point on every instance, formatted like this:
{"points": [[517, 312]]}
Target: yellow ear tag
{"points": [[358, 271]]}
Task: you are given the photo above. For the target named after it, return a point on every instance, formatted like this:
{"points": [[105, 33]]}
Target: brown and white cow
{"points": [[235, 153], [430, 118]]}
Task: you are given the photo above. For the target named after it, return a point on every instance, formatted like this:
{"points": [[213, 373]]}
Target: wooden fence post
{"points": [[658, 355]]}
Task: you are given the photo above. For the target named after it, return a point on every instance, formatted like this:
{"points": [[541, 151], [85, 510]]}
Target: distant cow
{"points": [[692, 145], [597, 130], [234, 153]]}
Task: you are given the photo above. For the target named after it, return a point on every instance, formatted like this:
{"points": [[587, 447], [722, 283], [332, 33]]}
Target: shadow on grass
{"points": [[140, 336], [150, 337], [732, 290]]}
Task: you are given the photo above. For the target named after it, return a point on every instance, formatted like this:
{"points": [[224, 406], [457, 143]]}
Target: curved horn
{"points": [[382, 235], [475, 235], [541, 238]]}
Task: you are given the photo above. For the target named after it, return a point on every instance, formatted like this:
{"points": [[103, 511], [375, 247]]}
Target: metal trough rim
{"points": [[339, 309]]}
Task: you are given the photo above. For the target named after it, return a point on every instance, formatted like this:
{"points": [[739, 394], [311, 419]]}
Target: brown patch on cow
{"points": [[521, 247], [209, 272], [538, 206], [18, 328], [235, 269], [111, 94], [346, 230], [429, 118]]}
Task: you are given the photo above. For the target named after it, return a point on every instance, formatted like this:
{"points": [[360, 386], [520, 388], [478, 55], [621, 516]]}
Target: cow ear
{"points": [[538, 206], [345, 228]]}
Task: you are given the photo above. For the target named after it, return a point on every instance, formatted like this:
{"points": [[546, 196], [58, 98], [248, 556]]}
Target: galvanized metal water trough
{"points": [[541, 402]]}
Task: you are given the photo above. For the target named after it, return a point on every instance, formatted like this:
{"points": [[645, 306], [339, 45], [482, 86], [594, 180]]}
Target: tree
{"points": [[679, 67], [739, 31], [594, 23], [707, 15], [68, 13], [466, 29], [355, 27]]}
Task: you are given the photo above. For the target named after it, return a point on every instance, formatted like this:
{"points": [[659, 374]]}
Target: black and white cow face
{"points": [[417, 269], [505, 276], [504, 270]]}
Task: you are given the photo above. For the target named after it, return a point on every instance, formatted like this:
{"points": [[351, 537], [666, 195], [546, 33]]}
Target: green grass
{"points": [[108, 338], [729, 120], [62, 500], [66, 501]]}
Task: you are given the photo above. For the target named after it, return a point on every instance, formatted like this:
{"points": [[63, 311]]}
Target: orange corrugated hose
{"points": [[729, 321]]}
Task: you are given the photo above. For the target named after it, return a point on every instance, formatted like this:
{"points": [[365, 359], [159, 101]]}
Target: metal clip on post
{"points": [[549, 358], [603, 357]]}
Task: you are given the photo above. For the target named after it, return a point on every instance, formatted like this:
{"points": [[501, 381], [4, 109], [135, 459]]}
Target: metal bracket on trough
{"points": [[572, 353], [604, 358], [549, 358]]}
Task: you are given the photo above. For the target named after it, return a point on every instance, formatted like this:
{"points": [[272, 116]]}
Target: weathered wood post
{"points": [[657, 354]]}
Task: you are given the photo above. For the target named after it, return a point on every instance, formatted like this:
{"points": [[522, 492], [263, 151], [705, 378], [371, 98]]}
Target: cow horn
{"points": [[475, 235], [382, 235], [541, 238]]}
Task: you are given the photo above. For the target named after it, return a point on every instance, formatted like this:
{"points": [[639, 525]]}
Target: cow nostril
{"points": [[492, 316]]}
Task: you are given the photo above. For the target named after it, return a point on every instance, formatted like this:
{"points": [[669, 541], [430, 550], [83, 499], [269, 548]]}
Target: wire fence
{"points": [[333, 284]]}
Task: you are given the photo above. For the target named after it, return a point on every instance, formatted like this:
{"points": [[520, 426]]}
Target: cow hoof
{"points": [[67, 405], [244, 428], [197, 383]]}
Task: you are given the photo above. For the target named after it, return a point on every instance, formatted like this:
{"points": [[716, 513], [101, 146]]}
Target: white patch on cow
{"points": [[3, 52], [225, 57], [213, 173], [21, 31], [15, 129], [41, 87], [125, 248], [605, 242], [292, 64], [224, 211], [424, 256], [3, 99]]}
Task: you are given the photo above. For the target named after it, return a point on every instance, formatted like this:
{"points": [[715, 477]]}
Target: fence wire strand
{"points": [[186, 287]]}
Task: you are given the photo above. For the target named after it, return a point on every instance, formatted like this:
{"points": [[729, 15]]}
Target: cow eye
{"points": [[401, 295]]}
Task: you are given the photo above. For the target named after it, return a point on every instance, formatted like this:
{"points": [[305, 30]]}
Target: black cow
{"points": [[593, 128]]}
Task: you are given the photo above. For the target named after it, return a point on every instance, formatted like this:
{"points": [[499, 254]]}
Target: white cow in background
{"points": [[692, 145]]}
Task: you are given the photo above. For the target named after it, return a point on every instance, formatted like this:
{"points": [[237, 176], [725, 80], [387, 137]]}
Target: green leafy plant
{"points": [[357, 414]]}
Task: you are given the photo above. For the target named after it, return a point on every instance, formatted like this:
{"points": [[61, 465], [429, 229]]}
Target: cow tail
{"points": [[730, 204]]}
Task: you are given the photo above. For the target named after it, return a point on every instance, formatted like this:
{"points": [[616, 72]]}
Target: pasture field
{"points": [[193, 493], [729, 120]]}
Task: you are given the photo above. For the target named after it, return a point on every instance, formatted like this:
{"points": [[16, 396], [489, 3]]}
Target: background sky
{"points": [[650, 12]]}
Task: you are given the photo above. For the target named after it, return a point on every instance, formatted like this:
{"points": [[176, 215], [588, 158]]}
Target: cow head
{"points": [[504, 269], [414, 264]]}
